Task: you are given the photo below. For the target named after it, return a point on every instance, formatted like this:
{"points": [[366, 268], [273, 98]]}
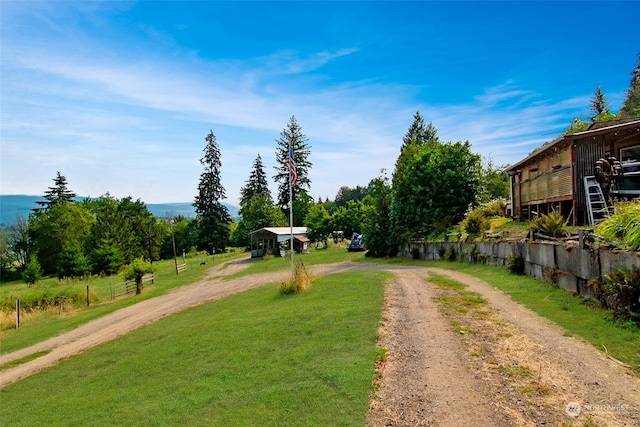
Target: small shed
{"points": [[552, 178], [269, 240]]}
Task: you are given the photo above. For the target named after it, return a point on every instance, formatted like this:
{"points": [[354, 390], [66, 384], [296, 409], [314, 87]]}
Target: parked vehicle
{"points": [[356, 243]]}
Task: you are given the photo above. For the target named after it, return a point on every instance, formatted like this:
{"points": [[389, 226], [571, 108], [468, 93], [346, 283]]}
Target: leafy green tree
{"points": [[59, 193], [318, 223], [439, 183], [349, 219], [301, 206], [212, 216], [292, 136], [346, 194], [256, 184], [577, 125], [494, 182], [377, 225], [631, 105], [59, 228], [136, 271], [33, 272], [258, 212]]}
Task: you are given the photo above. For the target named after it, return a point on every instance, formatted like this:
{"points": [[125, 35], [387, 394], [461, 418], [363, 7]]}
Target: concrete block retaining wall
{"points": [[568, 266]]}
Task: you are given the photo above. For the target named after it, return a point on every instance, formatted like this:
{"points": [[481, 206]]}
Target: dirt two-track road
{"points": [[500, 365]]}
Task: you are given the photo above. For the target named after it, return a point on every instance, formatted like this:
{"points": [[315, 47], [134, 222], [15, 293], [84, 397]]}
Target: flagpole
{"points": [[291, 208]]}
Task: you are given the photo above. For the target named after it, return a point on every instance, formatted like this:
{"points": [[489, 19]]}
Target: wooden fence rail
{"points": [[129, 286]]}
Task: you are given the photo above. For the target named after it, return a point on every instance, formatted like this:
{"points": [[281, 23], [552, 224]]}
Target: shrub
{"points": [[136, 271], [476, 222], [624, 225], [33, 272], [497, 207], [515, 264], [619, 291], [299, 280], [553, 225], [450, 255]]}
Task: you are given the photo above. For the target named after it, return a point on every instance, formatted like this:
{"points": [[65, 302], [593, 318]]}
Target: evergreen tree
{"points": [[213, 217], [418, 133], [293, 137], [257, 183], [599, 104], [631, 105], [59, 193]]}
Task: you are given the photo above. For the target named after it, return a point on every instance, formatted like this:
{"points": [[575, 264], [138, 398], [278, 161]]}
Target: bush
{"points": [[619, 291], [476, 222], [299, 280], [497, 207], [136, 271], [33, 272], [624, 225], [451, 255], [552, 225], [515, 264]]}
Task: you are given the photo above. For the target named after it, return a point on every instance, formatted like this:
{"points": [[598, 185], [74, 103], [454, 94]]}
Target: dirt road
{"points": [[500, 365]]}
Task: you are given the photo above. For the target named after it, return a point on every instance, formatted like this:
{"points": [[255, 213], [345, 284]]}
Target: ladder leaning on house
{"points": [[596, 204]]}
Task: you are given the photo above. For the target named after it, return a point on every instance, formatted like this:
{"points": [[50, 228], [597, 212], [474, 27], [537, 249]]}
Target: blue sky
{"points": [[119, 96]]}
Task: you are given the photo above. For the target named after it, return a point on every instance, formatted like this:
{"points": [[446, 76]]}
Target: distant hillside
{"points": [[15, 206]]}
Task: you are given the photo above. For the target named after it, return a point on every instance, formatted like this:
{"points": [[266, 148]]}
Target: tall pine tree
{"points": [[59, 193], [292, 136], [212, 216], [631, 105], [256, 184], [599, 104]]}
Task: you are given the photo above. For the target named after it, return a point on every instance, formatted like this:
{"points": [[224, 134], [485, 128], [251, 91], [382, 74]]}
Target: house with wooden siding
{"points": [[552, 178]]}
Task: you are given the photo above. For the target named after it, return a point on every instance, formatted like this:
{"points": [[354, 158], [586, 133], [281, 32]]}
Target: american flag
{"points": [[290, 164]]}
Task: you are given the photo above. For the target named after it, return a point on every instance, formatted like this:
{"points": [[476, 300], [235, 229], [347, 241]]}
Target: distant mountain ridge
{"points": [[20, 205]]}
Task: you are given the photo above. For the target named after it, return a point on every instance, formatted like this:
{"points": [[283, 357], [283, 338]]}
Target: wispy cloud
{"points": [[132, 121]]}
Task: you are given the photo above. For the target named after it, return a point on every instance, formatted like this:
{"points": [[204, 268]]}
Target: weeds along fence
{"points": [[568, 265], [129, 286]]}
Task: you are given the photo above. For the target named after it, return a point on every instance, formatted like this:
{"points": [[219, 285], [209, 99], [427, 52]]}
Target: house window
{"points": [[630, 153]]}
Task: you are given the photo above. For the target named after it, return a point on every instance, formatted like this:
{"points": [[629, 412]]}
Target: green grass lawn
{"points": [[42, 324], [255, 358]]}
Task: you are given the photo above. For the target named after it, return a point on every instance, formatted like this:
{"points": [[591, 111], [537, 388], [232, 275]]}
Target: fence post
{"points": [[87, 295], [17, 313]]}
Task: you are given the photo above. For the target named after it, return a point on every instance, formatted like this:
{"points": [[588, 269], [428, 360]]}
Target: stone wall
{"points": [[566, 265]]}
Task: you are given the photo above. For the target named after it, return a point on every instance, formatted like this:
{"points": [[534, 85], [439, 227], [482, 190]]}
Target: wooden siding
{"points": [[587, 154], [548, 178]]}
